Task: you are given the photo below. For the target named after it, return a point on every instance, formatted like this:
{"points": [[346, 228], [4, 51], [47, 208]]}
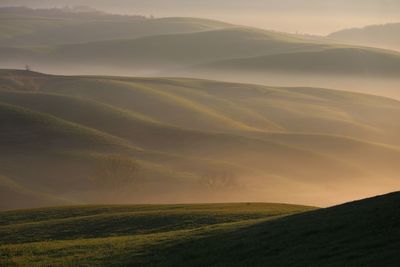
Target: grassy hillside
{"points": [[116, 231], [332, 61], [128, 220], [22, 127], [27, 27], [42, 159], [357, 233], [361, 233], [205, 140], [207, 105], [73, 163], [384, 36]]}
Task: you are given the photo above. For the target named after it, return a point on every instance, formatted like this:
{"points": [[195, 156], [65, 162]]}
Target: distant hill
{"points": [[384, 36], [90, 139], [331, 61], [165, 51], [359, 233], [240, 48], [26, 27], [91, 42]]}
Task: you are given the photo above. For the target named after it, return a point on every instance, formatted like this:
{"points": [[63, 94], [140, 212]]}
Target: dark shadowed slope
{"points": [[361, 233], [384, 36]]}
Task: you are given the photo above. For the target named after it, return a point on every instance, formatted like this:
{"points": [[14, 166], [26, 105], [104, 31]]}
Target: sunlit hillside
{"points": [[90, 139], [199, 133]]}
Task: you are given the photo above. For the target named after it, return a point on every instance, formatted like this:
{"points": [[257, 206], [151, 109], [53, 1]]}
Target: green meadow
{"points": [[362, 233]]}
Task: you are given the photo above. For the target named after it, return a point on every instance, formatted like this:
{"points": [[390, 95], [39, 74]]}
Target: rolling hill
{"points": [[358, 233], [330, 61], [99, 43], [237, 48], [23, 26], [24, 197], [384, 36], [161, 52], [95, 138]]}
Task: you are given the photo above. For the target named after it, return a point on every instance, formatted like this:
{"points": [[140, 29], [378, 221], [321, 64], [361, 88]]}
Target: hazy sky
{"points": [[305, 16]]}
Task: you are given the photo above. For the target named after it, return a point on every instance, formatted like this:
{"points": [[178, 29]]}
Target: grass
{"points": [[100, 234], [361, 233], [357, 233]]}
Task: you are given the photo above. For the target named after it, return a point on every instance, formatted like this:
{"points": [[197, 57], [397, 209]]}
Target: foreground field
{"points": [[361, 233], [116, 235]]}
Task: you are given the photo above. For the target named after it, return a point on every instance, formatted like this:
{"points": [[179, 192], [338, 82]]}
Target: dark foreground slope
{"points": [[361, 233]]}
